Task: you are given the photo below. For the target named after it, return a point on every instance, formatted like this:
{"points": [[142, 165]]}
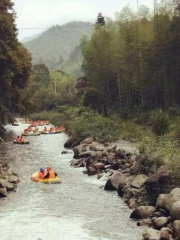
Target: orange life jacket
{"points": [[42, 175], [51, 174]]}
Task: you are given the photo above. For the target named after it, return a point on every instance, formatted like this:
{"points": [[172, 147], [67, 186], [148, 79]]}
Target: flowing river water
{"points": [[76, 209]]}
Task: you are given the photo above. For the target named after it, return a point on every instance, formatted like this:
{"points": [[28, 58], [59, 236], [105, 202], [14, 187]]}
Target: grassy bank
{"points": [[156, 134]]}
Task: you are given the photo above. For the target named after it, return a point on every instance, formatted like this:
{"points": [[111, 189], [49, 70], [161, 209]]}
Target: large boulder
{"points": [[71, 142], [139, 181], [91, 171], [108, 186], [125, 189], [175, 194], [79, 150], [157, 180], [176, 229], [165, 201], [3, 192], [175, 211], [151, 234], [143, 212], [115, 180], [161, 222], [5, 184], [13, 179], [130, 192]]}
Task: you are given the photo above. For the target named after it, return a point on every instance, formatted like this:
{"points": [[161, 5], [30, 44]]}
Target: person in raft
{"points": [[51, 129], [29, 129], [50, 173], [18, 139], [26, 132], [21, 139], [35, 130], [42, 173]]}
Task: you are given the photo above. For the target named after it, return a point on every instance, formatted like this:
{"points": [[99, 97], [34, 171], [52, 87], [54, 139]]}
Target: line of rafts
{"points": [[32, 123], [36, 123], [32, 130]]}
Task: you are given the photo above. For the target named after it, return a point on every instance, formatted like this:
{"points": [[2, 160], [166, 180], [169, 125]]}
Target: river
{"points": [[76, 209]]}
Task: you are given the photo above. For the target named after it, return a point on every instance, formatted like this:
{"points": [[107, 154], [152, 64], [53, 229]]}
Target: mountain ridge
{"points": [[54, 46]]}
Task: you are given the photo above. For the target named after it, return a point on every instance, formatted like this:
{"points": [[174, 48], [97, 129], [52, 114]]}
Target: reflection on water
{"points": [[75, 209]]}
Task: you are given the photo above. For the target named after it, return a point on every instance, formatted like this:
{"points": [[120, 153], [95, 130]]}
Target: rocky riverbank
{"points": [[151, 196], [8, 180]]}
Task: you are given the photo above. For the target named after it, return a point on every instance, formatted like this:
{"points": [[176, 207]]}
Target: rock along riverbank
{"points": [[127, 173], [8, 180]]}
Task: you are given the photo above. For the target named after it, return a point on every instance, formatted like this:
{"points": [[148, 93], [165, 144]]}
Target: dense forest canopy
{"points": [[15, 65], [48, 90], [134, 61]]}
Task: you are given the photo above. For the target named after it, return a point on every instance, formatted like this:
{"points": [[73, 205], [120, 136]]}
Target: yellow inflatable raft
{"points": [[35, 178]]}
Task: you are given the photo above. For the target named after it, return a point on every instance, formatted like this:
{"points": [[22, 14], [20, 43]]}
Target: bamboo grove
{"points": [[134, 61]]}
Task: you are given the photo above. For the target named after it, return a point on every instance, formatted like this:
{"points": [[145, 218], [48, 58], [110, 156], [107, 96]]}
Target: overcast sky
{"points": [[43, 14]]}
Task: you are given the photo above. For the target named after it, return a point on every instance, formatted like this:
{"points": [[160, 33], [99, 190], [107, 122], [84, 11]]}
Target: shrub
{"points": [[174, 131], [147, 164], [160, 121], [91, 124]]}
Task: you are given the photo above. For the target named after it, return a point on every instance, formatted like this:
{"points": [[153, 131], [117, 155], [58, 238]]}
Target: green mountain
{"points": [[58, 47]]}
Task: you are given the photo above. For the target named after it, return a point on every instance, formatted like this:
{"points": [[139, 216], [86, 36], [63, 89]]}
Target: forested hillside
{"points": [[134, 62], [15, 66], [73, 65], [54, 46]]}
